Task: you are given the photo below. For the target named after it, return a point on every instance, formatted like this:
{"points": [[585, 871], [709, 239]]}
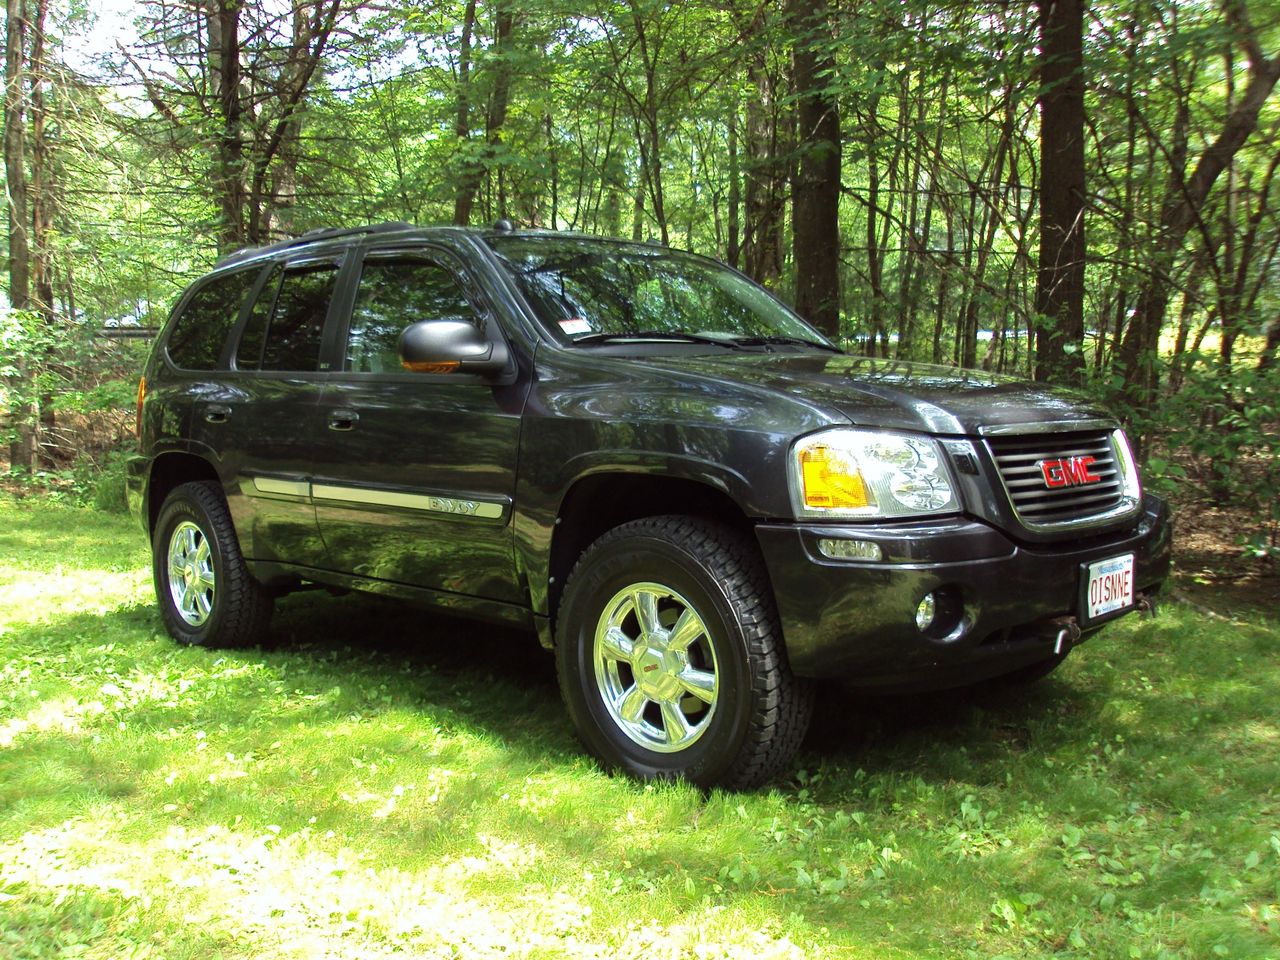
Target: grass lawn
{"points": [[386, 783]]}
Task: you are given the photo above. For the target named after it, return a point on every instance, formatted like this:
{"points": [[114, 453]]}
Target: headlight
{"points": [[856, 474], [1130, 485]]}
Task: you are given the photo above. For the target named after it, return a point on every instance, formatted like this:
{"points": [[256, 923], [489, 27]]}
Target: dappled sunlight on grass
{"points": [[35, 598], [270, 887], [381, 782], [62, 715]]}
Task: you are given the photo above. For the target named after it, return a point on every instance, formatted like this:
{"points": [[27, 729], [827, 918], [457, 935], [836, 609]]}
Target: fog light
{"points": [[850, 549], [925, 612]]}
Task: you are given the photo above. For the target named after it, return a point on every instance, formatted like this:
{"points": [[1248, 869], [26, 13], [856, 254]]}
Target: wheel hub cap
{"points": [[656, 670], [655, 667], [191, 577]]}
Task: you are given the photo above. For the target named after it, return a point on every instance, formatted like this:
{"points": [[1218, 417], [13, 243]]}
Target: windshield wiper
{"points": [[675, 336], [760, 341]]}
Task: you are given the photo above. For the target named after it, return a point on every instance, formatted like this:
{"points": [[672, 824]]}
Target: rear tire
{"points": [[206, 594], [670, 656]]}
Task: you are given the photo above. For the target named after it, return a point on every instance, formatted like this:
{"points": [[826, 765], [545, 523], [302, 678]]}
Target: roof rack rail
{"points": [[320, 233]]}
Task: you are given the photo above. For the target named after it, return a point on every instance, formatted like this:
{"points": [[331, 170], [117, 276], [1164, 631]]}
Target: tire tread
{"points": [[781, 703], [246, 607]]}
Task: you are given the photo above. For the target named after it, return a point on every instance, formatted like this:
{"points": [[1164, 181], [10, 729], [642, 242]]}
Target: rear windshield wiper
{"points": [[674, 336]]}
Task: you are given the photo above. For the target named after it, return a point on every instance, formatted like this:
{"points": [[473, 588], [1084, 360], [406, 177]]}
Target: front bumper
{"points": [[855, 620]]}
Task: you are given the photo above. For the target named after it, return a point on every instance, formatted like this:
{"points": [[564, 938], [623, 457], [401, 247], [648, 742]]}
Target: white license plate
{"points": [[1109, 587]]}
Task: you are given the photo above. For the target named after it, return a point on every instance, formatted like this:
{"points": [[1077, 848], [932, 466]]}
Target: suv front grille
{"points": [[1037, 505]]}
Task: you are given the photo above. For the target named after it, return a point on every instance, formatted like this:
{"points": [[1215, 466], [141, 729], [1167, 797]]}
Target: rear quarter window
{"points": [[200, 332]]}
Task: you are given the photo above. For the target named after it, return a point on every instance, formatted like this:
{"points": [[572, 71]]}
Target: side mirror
{"points": [[450, 346]]}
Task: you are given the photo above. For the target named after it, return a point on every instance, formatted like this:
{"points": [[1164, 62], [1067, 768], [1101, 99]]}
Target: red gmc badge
{"points": [[1069, 472]]}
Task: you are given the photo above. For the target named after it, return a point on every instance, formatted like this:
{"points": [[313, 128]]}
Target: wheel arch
{"points": [[170, 470], [598, 502]]}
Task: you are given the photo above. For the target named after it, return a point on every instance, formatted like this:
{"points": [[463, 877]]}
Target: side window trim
{"points": [[333, 341]]}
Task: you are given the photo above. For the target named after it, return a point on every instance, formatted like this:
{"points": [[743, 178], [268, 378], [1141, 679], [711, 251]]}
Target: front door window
{"points": [[392, 295]]}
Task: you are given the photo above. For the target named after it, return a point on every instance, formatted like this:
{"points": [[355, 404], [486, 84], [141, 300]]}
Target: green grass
{"points": [[384, 782]]}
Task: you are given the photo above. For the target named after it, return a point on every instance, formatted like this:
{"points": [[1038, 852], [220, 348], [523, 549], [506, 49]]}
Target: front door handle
{"points": [[217, 413], [343, 419]]}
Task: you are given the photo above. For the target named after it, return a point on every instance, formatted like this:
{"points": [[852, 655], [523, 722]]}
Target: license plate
{"points": [[1108, 586]]}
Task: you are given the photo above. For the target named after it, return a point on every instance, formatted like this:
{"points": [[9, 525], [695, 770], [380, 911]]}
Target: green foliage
{"points": [[386, 782], [107, 484], [615, 110], [27, 344], [1227, 420]]}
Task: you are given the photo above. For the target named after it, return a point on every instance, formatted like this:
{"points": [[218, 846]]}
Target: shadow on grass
{"points": [[473, 710], [873, 732], [497, 682]]}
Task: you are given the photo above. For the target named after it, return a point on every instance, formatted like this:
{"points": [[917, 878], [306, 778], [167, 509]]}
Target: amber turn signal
{"points": [[447, 366], [831, 482], [142, 395]]}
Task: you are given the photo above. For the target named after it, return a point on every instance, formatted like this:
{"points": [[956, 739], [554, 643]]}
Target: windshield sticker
{"points": [[575, 325]]}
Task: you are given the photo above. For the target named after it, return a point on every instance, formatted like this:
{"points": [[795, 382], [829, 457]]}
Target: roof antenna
{"points": [[504, 226]]}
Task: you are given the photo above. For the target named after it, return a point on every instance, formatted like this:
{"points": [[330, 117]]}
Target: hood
{"points": [[896, 394]]}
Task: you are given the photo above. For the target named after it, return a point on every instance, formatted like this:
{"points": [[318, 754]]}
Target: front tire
{"points": [[206, 594], [670, 656]]}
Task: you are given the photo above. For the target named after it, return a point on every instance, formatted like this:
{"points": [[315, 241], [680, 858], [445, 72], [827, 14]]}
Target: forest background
{"points": [[1080, 194]]}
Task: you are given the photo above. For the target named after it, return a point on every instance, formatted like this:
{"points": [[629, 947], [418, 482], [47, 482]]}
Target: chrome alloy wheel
{"points": [[655, 667], [191, 580]]}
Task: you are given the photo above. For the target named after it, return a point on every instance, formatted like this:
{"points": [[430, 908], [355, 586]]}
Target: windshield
{"points": [[595, 291]]}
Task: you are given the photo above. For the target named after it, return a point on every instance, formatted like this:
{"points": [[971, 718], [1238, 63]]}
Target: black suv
{"points": [[694, 498]]}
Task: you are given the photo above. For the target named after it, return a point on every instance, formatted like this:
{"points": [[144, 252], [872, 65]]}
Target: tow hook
{"points": [[1068, 634], [1146, 605]]}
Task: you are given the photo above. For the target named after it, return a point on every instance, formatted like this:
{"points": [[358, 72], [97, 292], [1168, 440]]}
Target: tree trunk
{"points": [[1183, 204], [22, 449], [1269, 349], [732, 255], [223, 24], [1181, 361], [765, 168], [553, 160], [815, 195], [15, 154], [45, 441], [649, 133], [976, 280], [495, 120], [637, 209], [912, 245], [944, 284], [41, 174], [465, 194], [275, 149], [1060, 278]]}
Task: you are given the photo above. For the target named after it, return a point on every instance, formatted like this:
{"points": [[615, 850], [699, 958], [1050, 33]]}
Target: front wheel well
{"points": [[598, 503], [171, 470]]}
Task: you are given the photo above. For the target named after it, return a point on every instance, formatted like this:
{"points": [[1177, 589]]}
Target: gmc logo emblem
{"points": [[1068, 472]]}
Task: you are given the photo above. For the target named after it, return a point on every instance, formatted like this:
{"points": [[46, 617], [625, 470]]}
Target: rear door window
{"points": [[249, 352], [293, 314], [198, 336]]}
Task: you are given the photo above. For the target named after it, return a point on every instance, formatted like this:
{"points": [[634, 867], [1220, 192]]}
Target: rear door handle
{"points": [[217, 413], [343, 419]]}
